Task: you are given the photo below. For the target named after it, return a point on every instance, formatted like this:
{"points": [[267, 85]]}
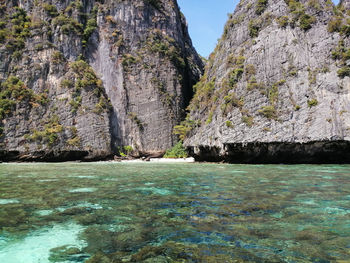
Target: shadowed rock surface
{"points": [[276, 88], [81, 78]]}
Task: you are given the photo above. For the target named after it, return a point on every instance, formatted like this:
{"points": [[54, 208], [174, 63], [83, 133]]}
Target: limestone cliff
{"points": [[277, 86], [80, 79]]}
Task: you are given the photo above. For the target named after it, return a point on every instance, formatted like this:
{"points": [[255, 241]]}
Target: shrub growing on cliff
{"points": [[283, 21], [125, 151], [15, 29], [254, 28], [49, 135], [57, 57], [14, 88], [85, 78], [6, 107], [84, 73], [229, 124], [51, 10], [210, 117], [184, 127], [238, 69], [268, 112], [248, 120], [344, 72], [299, 15], [178, 151], [252, 84], [166, 46], [66, 83], [235, 76], [339, 24], [68, 24], [261, 6], [134, 118], [306, 21], [230, 101], [312, 103], [335, 24], [128, 60], [203, 91], [157, 4], [91, 25], [343, 54]]}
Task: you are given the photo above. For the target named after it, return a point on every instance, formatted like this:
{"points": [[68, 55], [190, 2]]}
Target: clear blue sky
{"points": [[206, 20]]}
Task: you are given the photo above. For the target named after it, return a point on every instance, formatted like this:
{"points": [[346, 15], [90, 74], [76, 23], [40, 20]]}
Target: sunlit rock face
{"points": [[277, 84], [81, 78], [345, 4]]}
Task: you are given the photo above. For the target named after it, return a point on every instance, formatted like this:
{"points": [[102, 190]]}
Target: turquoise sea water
{"points": [[113, 212]]}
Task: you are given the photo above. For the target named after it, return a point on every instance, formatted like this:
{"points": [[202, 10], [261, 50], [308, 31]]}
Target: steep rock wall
{"points": [[80, 79], [148, 66], [279, 76]]}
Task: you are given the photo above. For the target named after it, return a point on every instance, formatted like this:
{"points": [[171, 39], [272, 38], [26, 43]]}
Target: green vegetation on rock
{"points": [[15, 29], [157, 4], [185, 127], [125, 151], [268, 112], [312, 103], [230, 101], [344, 72], [283, 21], [203, 92], [229, 124], [340, 22], [342, 54], [165, 46], [68, 25], [90, 26], [248, 120], [299, 15], [49, 135], [50, 9], [12, 91], [135, 119], [261, 6], [254, 28], [306, 21], [178, 151], [85, 78]]}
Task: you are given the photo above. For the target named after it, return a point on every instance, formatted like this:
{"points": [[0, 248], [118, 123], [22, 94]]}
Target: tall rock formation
{"points": [[81, 79], [277, 86]]}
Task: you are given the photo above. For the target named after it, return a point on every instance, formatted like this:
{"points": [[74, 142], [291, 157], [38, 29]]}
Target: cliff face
{"points": [[344, 4], [276, 89], [81, 78]]}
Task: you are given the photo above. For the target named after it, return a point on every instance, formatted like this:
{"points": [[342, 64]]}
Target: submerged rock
{"points": [[66, 253]]}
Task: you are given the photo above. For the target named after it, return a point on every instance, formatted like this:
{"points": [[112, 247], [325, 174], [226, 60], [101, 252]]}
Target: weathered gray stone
{"points": [[298, 97], [141, 52]]}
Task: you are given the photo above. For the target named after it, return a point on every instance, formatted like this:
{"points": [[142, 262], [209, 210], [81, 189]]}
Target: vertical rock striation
{"points": [[276, 88], [148, 66], [79, 79]]}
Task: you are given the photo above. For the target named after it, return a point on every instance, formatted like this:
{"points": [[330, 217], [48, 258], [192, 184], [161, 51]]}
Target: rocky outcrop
{"points": [[82, 79], [344, 4], [276, 88]]}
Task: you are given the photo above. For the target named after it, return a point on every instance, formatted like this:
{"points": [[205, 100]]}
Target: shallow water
{"points": [[112, 212]]}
